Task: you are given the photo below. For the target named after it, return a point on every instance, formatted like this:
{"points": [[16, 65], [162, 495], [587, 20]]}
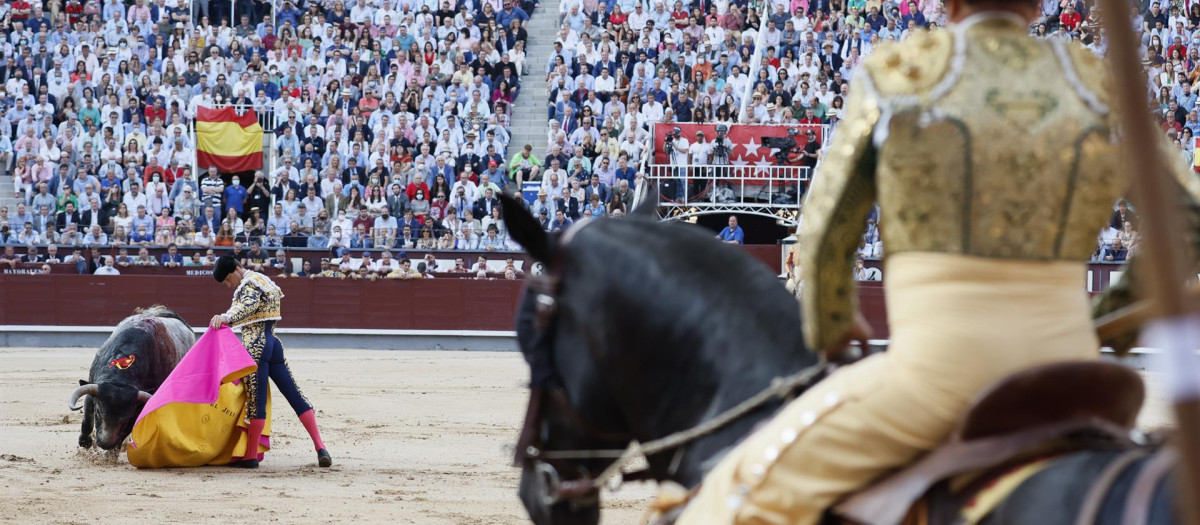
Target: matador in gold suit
{"points": [[257, 305], [993, 159]]}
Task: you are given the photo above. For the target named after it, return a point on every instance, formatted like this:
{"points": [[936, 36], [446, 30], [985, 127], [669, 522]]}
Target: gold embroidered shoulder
{"points": [[258, 299], [976, 140]]}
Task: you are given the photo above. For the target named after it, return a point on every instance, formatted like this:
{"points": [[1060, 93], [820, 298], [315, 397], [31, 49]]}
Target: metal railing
{"points": [[769, 190]]}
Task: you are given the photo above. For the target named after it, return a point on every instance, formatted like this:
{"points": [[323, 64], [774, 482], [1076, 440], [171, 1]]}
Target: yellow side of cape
{"points": [[194, 435]]}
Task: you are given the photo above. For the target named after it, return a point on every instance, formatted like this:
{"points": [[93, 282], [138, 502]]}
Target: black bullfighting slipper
{"points": [[323, 458], [245, 463]]}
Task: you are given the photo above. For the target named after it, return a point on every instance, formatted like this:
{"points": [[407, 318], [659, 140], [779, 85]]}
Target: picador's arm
{"points": [[834, 216], [1132, 286]]}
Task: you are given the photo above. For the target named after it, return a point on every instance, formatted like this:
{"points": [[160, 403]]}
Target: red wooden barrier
{"points": [[421, 304], [426, 304]]}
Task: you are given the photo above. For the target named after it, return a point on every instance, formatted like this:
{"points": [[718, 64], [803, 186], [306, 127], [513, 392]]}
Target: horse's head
{"points": [[570, 409], [638, 330]]}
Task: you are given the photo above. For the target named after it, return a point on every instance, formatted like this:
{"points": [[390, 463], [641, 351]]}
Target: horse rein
{"points": [[529, 446], [548, 462]]}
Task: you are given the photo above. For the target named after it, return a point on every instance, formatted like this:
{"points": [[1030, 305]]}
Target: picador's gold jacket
{"points": [[1026, 169]]}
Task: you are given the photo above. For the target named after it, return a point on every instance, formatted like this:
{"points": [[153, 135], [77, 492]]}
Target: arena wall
{"points": [[446, 311]]}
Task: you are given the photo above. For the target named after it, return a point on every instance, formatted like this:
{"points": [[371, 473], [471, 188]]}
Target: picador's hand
{"points": [[860, 331]]}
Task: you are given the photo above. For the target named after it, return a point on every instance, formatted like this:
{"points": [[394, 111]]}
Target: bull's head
{"points": [[112, 407]]}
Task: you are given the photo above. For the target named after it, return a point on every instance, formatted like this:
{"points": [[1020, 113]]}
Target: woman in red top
{"points": [[502, 92], [80, 73], [430, 54], [617, 17]]}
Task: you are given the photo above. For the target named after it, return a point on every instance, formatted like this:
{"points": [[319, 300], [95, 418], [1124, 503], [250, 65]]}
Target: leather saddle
{"points": [[1015, 416]]}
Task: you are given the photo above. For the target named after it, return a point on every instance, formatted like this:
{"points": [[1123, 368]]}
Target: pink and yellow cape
{"points": [[198, 416]]}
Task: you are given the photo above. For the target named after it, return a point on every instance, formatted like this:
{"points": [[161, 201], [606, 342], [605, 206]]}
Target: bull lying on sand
{"points": [[127, 369]]}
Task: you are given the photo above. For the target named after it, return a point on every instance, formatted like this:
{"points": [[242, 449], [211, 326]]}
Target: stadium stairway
{"points": [[6, 193], [528, 121]]}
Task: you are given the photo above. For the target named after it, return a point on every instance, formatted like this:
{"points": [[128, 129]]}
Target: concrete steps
{"points": [[528, 121], [6, 194]]}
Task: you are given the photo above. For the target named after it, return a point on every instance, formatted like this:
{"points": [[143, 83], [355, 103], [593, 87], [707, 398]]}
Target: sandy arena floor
{"points": [[417, 437]]}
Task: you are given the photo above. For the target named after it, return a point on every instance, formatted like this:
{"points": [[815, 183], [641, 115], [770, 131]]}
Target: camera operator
{"points": [[720, 147], [811, 152], [677, 149], [719, 152], [700, 152], [784, 147]]}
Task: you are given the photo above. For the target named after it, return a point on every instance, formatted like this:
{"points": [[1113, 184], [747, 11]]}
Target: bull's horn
{"points": [[143, 396], [85, 390]]}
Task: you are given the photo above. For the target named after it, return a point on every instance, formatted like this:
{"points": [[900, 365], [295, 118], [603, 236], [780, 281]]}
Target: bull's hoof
{"points": [[245, 463], [85, 441], [323, 458]]}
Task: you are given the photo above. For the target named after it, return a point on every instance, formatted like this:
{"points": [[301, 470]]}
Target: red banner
{"points": [[746, 139]]}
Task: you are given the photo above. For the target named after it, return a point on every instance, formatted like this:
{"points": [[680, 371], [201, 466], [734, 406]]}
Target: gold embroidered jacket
{"points": [[258, 299], [976, 140]]}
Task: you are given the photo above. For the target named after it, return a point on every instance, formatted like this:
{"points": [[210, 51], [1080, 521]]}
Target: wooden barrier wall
{"points": [[425, 304], [428, 304]]}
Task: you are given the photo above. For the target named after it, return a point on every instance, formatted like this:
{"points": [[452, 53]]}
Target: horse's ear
{"points": [[649, 204], [524, 228]]}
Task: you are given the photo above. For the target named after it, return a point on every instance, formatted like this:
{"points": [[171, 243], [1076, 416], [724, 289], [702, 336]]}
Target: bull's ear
{"points": [[83, 382], [649, 205], [524, 228]]}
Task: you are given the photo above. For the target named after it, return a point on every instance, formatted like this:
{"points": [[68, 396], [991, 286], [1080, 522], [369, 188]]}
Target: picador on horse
{"points": [[994, 160]]}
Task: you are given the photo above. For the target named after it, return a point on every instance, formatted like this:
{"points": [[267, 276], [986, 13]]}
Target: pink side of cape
{"points": [[217, 358]]}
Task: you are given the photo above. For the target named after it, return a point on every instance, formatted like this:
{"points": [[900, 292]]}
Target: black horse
{"points": [[642, 329]]}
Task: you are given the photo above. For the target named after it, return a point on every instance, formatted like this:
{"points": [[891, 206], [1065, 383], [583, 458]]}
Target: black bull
{"points": [[128, 368], [646, 328]]}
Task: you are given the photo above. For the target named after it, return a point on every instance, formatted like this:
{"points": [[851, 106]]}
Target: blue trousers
{"points": [[260, 340]]}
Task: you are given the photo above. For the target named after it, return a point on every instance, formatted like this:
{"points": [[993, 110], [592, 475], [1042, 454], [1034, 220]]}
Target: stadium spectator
{"points": [[401, 105], [733, 233]]}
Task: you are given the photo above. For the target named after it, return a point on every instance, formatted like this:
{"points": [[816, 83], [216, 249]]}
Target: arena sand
{"points": [[417, 437]]}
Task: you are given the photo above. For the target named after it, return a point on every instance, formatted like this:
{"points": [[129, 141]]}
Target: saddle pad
{"points": [[998, 489]]}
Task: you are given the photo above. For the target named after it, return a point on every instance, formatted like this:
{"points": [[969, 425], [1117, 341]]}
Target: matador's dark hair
{"points": [[225, 266]]}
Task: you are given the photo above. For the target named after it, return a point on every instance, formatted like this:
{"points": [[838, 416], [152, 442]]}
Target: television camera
{"points": [[784, 146]]}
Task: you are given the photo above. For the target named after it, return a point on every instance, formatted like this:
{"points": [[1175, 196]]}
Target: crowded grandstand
{"points": [[390, 126]]}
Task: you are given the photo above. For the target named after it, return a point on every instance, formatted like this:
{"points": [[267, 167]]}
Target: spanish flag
{"points": [[227, 140]]}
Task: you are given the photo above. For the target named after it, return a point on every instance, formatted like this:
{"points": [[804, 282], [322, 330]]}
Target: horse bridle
{"points": [[529, 448], [546, 289], [549, 464]]}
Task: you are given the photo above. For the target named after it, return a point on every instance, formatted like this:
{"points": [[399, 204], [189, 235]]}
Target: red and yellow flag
{"points": [[227, 140]]}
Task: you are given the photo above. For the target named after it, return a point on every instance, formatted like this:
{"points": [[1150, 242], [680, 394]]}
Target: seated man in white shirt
{"points": [[108, 268]]}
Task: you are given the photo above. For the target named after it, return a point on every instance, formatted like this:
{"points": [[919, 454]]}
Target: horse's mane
{"points": [[688, 281]]}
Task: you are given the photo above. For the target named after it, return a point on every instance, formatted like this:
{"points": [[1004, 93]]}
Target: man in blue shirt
{"points": [[732, 234], [235, 195], [625, 172], [509, 13]]}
